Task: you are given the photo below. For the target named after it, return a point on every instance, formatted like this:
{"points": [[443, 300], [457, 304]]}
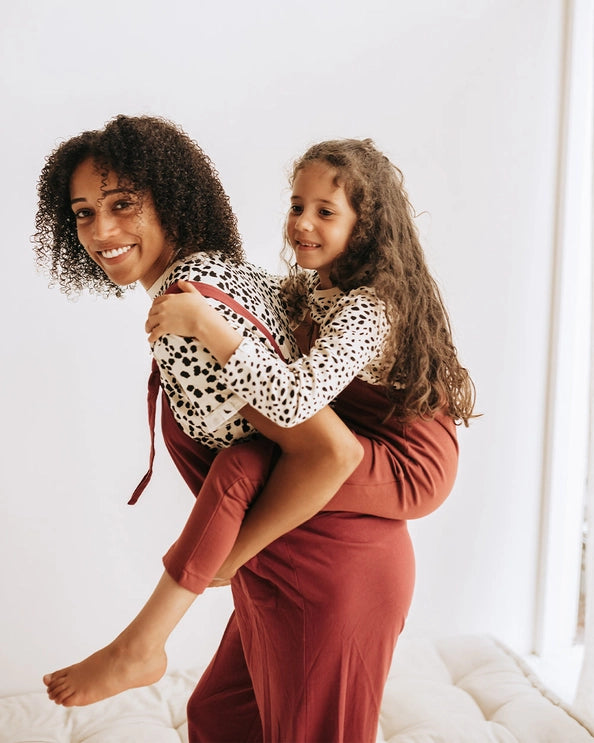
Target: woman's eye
{"points": [[122, 204]]}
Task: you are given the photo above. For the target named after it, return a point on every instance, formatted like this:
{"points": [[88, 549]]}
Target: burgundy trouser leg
{"points": [[235, 478], [309, 648], [223, 707], [318, 612]]}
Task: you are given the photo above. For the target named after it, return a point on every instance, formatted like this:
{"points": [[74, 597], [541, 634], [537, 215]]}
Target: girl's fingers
{"points": [[152, 322], [188, 287]]}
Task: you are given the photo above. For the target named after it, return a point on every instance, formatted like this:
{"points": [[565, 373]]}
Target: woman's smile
{"points": [[115, 252]]}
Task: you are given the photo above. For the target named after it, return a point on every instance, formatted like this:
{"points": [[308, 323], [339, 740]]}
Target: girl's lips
{"points": [[307, 246]]}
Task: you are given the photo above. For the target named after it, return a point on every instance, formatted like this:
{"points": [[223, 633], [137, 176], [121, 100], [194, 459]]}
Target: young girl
{"points": [[383, 345], [378, 318], [413, 462]]}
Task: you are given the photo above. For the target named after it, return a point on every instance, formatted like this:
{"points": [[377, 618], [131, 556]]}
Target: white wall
{"points": [[462, 94]]}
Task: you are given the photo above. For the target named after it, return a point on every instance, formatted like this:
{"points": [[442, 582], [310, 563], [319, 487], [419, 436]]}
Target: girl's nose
{"points": [[303, 222]]}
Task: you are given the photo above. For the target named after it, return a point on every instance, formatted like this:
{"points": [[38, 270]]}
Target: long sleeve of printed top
{"points": [[202, 402], [353, 328]]}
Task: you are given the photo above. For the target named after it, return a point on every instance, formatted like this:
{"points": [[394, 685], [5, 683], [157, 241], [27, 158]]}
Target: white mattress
{"points": [[452, 690]]}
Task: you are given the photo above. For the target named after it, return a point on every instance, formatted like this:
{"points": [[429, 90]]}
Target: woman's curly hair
{"points": [[423, 373], [148, 155]]}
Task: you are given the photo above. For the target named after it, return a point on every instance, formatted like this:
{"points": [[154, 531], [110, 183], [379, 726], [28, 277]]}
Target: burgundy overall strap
{"points": [[214, 292], [153, 392], [154, 382]]}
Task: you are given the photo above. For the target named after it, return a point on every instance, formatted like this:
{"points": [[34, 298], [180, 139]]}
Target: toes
{"points": [[72, 700], [61, 694], [52, 678], [66, 698], [56, 689], [57, 685]]}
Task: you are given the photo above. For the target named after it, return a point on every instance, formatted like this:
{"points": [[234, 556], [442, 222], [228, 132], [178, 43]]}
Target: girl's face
{"points": [[320, 221], [118, 228]]}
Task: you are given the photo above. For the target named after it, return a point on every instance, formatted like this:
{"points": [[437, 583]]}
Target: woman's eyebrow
{"points": [[105, 193]]}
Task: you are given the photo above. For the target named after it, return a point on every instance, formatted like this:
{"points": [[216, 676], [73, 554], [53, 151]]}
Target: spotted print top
{"points": [[201, 400], [353, 328]]}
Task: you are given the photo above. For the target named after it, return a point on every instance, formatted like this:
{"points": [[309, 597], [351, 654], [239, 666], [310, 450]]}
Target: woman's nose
{"points": [[103, 226]]}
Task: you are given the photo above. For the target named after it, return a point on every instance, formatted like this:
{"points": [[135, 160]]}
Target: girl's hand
{"points": [[190, 315], [177, 314]]}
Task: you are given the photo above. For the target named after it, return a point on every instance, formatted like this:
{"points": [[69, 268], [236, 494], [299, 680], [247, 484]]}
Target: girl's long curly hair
{"points": [[423, 373], [148, 155]]}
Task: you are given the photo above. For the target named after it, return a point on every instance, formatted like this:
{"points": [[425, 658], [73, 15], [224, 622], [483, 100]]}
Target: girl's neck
{"points": [[324, 281]]}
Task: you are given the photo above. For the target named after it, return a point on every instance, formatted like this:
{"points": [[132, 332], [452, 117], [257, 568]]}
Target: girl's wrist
{"points": [[218, 336]]}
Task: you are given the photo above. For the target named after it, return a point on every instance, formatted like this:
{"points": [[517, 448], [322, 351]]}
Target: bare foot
{"points": [[107, 672]]}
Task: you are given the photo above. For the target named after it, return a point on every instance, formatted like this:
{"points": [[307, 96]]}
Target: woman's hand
{"points": [[191, 316]]}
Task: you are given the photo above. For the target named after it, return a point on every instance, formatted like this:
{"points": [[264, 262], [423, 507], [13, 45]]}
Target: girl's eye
{"points": [[295, 209], [82, 213], [326, 212]]}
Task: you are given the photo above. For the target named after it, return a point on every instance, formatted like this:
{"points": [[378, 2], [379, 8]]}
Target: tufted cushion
{"points": [[471, 689], [450, 690]]}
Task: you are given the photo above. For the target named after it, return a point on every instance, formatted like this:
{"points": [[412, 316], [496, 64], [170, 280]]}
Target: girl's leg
{"points": [[400, 472], [407, 481], [417, 458], [406, 472], [235, 478], [135, 658], [317, 457]]}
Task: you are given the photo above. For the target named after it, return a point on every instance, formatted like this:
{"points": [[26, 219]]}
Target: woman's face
{"points": [[118, 228]]}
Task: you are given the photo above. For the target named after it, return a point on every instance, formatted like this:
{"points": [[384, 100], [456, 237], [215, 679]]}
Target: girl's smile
{"points": [[119, 228], [321, 219]]}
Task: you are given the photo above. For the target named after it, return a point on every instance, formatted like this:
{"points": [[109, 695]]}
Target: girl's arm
{"points": [[190, 315], [287, 394], [317, 455]]}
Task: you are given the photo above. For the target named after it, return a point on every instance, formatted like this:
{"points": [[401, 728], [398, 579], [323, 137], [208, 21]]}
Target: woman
{"points": [[125, 194]]}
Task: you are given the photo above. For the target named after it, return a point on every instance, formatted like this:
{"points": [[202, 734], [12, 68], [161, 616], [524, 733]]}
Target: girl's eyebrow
{"points": [[105, 193], [295, 197]]}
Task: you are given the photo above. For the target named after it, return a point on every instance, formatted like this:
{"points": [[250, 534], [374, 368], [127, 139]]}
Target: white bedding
{"points": [[450, 690]]}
